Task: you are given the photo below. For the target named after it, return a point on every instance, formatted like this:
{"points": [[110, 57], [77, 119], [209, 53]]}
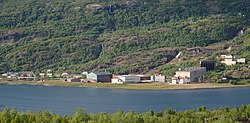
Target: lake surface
{"points": [[65, 100]]}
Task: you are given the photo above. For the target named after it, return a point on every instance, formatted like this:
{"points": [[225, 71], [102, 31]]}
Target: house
{"points": [[241, 60], [100, 76], [188, 75], [26, 78], [77, 76], [49, 75], [224, 78], [57, 75], [245, 67], [116, 81], [209, 65], [49, 71], [231, 60], [27, 74], [180, 80], [158, 78], [5, 74], [84, 73], [12, 75], [125, 79], [42, 75], [144, 78], [73, 80], [64, 75]]}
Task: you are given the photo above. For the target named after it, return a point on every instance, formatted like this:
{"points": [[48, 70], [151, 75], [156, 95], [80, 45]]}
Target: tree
{"points": [[81, 116]]}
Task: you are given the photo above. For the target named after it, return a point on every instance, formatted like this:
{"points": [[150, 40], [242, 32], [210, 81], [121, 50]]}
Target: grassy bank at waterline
{"points": [[139, 86]]}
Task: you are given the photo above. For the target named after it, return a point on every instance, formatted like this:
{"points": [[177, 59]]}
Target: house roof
{"points": [[208, 62], [27, 72], [191, 69], [102, 73]]}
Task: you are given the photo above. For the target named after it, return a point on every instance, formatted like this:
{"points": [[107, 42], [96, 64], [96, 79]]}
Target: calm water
{"points": [[65, 100]]}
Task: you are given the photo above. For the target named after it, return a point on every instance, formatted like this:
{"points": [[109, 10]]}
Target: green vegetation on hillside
{"points": [[127, 37], [200, 115]]}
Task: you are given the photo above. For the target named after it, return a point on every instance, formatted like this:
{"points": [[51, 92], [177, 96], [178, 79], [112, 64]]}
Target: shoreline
{"points": [[128, 86]]}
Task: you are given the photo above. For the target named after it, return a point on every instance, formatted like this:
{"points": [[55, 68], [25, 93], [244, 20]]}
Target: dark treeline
{"points": [[200, 115]]}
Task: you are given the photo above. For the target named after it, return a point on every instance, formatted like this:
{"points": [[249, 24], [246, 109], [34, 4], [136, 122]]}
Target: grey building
{"points": [[73, 80], [209, 65], [100, 76], [158, 78], [191, 73]]}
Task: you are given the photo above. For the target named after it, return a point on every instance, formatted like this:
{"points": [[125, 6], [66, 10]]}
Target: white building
{"points": [[49, 71], [42, 75], [180, 80], [125, 79], [116, 81], [188, 75], [85, 73], [5, 74], [241, 60], [49, 74], [231, 60], [158, 78]]}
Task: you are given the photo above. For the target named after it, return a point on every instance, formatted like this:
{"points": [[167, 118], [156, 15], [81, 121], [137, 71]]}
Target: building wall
{"points": [[104, 78], [241, 60], [49, 74], [175, 81], [182, 74], [26, 78], [130, 78], [194, 75], [186, 80], [181, 81], [100, 78], [92, 76], [74, 80], [209, 65], [116, 81], [145, 78], [159, 78], [5, 74], [229, 57], [229, 62]]}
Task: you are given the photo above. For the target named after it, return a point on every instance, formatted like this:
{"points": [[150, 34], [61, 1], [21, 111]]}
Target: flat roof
{"points": [[191, 69], [103, 73]]}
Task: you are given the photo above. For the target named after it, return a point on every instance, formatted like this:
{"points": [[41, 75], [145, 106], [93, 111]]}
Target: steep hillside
{"points": [[120, 36]]}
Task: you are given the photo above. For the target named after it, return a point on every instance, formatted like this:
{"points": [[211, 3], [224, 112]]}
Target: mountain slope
{"points": [[119, 36]]}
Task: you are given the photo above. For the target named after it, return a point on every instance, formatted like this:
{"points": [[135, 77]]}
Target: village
{"points": [[182, 76]]}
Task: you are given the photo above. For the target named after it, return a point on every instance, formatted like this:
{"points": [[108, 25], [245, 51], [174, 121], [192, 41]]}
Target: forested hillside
{"points": [[120, 36]]}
